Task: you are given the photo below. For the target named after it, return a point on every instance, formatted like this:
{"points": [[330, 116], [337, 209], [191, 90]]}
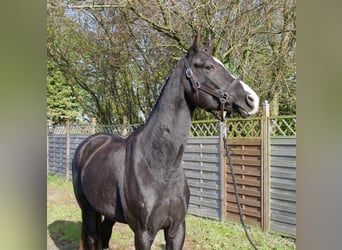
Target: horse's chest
{"points": [[163, 213], [163, 198], [159, 207]]}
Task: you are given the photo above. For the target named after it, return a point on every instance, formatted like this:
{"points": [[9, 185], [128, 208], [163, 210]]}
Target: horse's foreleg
{"points": [[143, 240], [175, 240], [106, 232]]}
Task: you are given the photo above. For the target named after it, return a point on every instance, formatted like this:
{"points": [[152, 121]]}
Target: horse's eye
{"points": [[209, 67]]}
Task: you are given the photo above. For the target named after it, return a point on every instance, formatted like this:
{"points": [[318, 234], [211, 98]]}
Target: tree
{"points": [[62, 106], [119, 53]]}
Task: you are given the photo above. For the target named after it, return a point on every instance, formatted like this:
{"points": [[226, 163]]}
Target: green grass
{"points": [[64, 227], [212, 234]]}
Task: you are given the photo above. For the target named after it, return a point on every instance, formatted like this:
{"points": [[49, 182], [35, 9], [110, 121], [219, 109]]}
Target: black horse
{"points": [[139, 180]]}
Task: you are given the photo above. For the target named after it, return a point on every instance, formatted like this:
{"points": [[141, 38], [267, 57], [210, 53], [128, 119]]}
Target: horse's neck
{"points": [[167, 129]]}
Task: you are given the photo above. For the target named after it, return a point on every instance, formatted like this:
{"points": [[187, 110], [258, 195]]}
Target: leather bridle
{"points": [[223, 97]]}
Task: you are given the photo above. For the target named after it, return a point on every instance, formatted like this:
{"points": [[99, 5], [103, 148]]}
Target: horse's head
{"points": [[212, 87]]}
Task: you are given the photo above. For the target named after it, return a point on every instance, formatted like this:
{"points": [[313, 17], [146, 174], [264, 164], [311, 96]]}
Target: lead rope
{"points": [[224, 136]]}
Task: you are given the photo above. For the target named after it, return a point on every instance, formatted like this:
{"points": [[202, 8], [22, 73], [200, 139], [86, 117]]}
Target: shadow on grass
{"points": [[65, 234]]}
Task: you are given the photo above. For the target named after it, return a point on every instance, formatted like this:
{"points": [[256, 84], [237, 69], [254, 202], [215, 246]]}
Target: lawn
{"points": [[64, 226]]}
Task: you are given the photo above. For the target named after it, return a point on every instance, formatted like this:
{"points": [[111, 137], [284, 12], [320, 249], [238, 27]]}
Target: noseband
{"points": [[223, 97]]}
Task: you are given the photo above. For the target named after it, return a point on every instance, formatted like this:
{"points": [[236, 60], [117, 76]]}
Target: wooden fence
{"points": [[264, 159], [283, 185], [59, 158], [246, 159], [201, 162]]}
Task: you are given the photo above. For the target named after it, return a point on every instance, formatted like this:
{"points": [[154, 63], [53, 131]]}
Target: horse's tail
{"points": [[87, 242]]}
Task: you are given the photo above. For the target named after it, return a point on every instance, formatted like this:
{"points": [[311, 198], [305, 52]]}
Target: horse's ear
{"points": [[210, 47], [197, 43]]}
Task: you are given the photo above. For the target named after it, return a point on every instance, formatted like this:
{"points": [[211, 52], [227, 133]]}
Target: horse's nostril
{"points": [[250, 99]]}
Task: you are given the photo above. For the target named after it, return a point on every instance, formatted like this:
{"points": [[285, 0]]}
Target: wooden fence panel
{"points": [[57, 158], [266, 182], [201, 162], [57, 155], [283, 185], [246, 157]]}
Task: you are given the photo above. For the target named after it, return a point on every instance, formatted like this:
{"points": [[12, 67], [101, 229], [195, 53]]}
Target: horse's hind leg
{"points": [[106, 232], [91, 223]]}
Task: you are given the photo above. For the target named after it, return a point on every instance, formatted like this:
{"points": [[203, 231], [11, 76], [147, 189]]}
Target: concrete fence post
{"points": [[265, 171], [93, 127], [47, 150], [124, 131], [67, 149], [223, 132]]}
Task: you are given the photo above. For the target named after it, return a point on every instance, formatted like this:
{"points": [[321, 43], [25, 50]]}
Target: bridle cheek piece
{"points": [[223, 97]]}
